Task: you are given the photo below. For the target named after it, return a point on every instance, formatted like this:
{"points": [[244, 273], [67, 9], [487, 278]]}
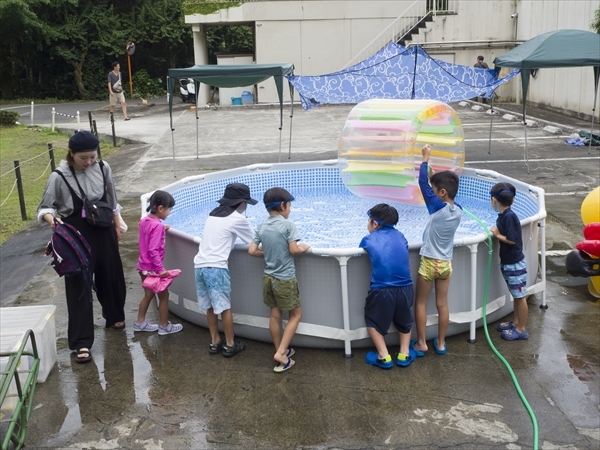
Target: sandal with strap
{"points": [[83, 359], [215, 349], [237, 347]]}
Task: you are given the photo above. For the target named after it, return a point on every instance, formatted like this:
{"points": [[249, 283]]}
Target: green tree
{"points": [[595, 25], [22, 36]]}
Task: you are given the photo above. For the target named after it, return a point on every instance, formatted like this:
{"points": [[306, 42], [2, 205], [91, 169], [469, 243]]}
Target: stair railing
{"points": [[401, 26]]}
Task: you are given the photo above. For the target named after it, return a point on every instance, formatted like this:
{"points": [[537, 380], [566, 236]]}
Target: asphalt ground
{"points": [[167, 392]]}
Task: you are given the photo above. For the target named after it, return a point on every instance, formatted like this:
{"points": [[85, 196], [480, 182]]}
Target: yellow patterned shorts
{"points": [[431, 269]]}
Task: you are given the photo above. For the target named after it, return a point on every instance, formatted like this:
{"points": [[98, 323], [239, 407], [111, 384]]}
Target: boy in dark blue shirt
{"points": [[512, 259], [391, 294]]}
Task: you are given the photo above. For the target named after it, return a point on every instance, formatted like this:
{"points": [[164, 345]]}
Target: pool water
{"points": [[338, 220]]}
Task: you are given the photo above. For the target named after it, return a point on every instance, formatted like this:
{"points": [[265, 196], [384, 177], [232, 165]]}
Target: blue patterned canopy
{"points": [[399, 73]]}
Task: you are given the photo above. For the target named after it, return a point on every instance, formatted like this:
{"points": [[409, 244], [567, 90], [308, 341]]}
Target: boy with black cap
{"points": [[223, 226]]}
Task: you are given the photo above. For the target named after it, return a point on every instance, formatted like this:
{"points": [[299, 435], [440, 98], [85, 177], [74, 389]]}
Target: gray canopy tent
{"points": [[561, 48], [232, 76]]}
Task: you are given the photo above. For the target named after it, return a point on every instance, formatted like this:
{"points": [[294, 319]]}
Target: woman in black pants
{"points": [[82, 175]]}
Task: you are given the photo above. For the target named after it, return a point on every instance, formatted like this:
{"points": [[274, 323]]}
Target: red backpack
{"points": [[71, 255]]}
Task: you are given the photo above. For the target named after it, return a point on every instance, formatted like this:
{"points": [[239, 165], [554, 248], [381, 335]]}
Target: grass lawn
{"points": [[30, 147]]}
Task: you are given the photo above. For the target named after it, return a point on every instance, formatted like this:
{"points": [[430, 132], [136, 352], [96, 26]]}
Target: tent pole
{"points": [[491, 120], [280, 128], [197, 89], [593, 117], [291, 118], [173, 145], [526, 147]]}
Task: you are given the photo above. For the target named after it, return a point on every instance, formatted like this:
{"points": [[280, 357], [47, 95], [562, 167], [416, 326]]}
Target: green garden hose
{"points": [[487, 335]]}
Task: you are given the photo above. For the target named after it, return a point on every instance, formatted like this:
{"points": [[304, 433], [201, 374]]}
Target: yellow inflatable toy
{"points": [[379, 151]]}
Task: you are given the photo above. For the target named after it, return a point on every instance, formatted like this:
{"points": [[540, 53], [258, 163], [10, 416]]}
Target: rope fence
{"points": [[19, 179]]}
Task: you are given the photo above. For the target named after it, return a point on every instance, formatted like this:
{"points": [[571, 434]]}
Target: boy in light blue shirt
{"points": [[436, 251], [279, 239]]}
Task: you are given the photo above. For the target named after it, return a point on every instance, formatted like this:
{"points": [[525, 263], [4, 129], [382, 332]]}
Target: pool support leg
{"points": [[542, 225], [343, 260], [472, 326]]}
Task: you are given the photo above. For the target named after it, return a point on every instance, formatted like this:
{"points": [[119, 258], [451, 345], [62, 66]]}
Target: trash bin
{"points": [[247, 98], [236, 101]]}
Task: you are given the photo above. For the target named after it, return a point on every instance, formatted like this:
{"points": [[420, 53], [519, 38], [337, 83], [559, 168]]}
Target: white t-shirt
{"points": [[218, 239]]}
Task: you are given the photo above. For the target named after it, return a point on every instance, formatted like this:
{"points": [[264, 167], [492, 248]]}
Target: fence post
{"points": [[53, 114], [95, 131], [78, 122], [112, 123], [31, 113], [90, 117], [51, 153], [20, 189]]}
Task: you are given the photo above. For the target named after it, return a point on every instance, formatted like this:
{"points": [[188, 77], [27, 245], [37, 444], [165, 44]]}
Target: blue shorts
{"points": [[213, 288], [390, 304], [515, 276]]}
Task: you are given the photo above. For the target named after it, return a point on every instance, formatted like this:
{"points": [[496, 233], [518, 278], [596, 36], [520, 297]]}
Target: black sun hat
{"points": [[236, 193]]}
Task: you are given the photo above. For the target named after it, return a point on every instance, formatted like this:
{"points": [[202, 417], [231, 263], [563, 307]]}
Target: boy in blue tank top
{"points": [[436, 251], [391, 294]]}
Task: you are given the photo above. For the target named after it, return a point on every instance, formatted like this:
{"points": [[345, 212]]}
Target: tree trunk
{"points": [[78, 73]]}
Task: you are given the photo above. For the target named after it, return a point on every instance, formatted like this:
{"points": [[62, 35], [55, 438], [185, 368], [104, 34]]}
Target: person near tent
{"points": [[480, 64]]}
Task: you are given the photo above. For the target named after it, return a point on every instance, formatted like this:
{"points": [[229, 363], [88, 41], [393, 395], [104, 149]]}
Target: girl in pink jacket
{"points": [[150, 262]]}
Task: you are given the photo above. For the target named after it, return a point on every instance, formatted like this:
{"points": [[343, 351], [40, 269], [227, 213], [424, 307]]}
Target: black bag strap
{"points": [[73, 194], [83, 196]]}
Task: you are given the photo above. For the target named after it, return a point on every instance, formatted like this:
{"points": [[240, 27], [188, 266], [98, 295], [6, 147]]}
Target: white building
{"points": [[321, 37]]}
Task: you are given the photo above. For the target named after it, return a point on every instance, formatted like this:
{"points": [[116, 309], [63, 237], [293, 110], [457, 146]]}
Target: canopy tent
{"points": [[561, 48], [399, 73], [227, 77]]}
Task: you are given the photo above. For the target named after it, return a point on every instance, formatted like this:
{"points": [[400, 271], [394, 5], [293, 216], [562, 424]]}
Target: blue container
{"points": [[236, 101], [247, 97]]}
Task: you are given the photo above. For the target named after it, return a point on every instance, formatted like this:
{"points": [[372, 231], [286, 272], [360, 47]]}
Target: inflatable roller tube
{"points": [[376, 179], [409, 194]]}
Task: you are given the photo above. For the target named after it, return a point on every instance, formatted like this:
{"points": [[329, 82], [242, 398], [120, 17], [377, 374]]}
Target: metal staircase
{"points": [[405, 26], [18, 418]]}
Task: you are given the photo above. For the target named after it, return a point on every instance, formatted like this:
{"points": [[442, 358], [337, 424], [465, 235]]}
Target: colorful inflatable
{"points": [[380, 147]]}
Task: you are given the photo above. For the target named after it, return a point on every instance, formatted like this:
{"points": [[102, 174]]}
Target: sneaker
{"points": [[505, 326], [170, 328], [514, 335], [237, 347], [372, 358], [145, 326]]}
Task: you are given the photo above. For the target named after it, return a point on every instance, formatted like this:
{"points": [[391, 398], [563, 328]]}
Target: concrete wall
{"points": [[486, 28], [317, 36], [320, 37]]}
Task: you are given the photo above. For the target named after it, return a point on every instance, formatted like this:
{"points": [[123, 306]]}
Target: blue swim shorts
{"points": [[385, 305], [213, 288], [515, 276]]}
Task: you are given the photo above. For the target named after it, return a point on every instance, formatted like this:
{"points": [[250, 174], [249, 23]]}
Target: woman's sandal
{"points": [[83, 359], [118, 325]]}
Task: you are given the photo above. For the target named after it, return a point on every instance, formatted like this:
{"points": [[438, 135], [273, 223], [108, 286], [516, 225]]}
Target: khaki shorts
{"points": [[117, 98], [282, 294], [431, 269]]}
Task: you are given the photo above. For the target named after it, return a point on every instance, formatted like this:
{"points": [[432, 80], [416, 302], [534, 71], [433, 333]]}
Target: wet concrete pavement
{"points": [[167, 392]]}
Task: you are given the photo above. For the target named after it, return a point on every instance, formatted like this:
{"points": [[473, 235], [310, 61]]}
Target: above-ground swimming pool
{"points": [[334, 274]]}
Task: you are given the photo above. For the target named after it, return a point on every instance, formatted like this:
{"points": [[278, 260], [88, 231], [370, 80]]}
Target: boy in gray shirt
{"points": [[279, 239]]}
